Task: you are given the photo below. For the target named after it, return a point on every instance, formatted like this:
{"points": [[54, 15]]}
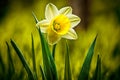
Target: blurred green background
{"points": [[100, 17]]}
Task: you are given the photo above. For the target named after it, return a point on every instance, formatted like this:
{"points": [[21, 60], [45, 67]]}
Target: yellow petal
{"points": [[75, 20], [51, 11], [71, 34], [52, 37], [65, 10]]}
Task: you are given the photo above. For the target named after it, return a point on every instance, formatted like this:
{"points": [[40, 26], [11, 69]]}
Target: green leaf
{"points": [[33, 58], [97, 74], [20, 55], [53, 51], [2, 67], [48, 61], [67, 74], [43, 74], [86, 65], [35, 18], [11, 68]]}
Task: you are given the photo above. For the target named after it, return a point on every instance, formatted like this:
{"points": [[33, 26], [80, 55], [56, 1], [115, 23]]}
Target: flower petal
{"points": [[75, 20], [52, 37], [71, 34], [65, 10], [43, 25], [51, 11]]}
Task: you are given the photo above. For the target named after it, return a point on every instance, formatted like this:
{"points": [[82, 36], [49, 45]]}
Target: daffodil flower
{"points": [[58, 23]]}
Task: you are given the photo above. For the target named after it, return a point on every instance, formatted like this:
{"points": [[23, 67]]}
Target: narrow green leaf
{"points": [[53, 51], [11, 69], [97, 74], [21, 74], [2, 64], [86, 65], [33, 58], [20, 55], [35, 18], [48, 61], [43, 74], [67, 74]]}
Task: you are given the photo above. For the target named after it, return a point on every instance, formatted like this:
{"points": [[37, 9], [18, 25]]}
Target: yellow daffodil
{"points": [[58, 23]]}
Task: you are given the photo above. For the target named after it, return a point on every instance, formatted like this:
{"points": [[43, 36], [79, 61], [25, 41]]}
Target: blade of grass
{"points": [[67, 74], [21, 74], [86, 65], [33, 58], [35, 18], [43, 74], [53, 51], [48, 61], [20, 55], [97, 74], [11, 69], [2, 65]]}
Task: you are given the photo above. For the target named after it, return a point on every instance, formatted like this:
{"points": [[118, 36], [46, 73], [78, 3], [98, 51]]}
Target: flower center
{"points": [[56, 26], [60, 24]]}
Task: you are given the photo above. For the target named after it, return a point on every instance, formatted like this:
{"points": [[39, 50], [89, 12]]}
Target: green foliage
{"points": [[97, 74], [33, 56], [11, 69], [86, 65], [53, 51], [67, 74], [25, 64], [48, 70], [48, 61], [43, 74]]}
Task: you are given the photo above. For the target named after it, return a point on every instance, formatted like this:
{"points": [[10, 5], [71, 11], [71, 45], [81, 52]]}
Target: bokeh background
{"points": [[100, 17]]}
